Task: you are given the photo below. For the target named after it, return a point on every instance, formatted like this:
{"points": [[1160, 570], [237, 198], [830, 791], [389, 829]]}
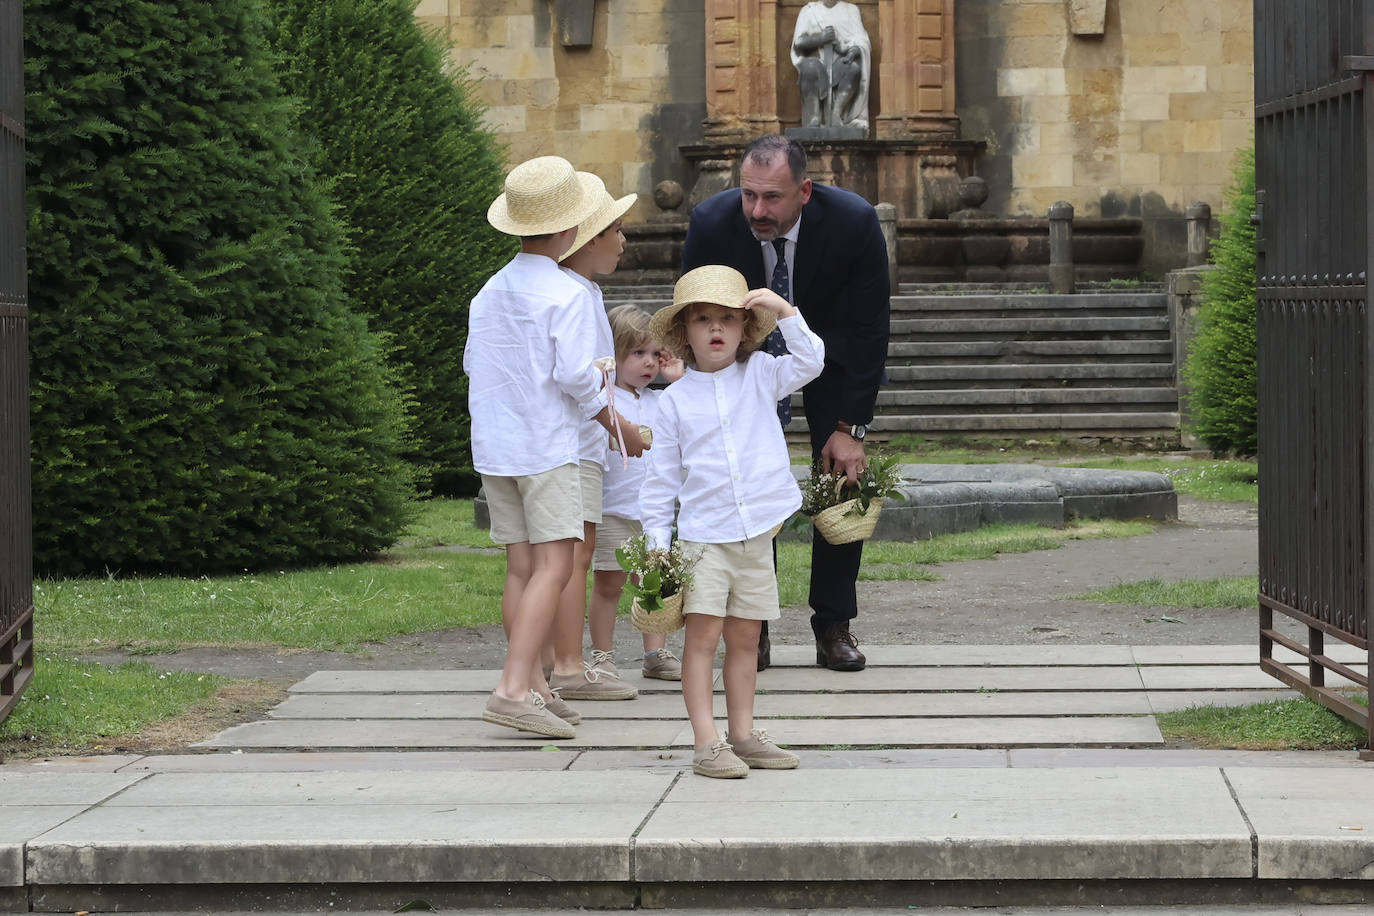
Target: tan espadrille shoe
{"points": [[760, 753], [718, 761], [527, 714]]}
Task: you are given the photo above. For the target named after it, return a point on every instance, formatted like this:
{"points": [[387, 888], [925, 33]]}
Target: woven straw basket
{"points": [[667, 619], [838, 528]]}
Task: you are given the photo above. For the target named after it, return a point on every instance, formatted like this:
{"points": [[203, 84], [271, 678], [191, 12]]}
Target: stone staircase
{"points": [[1012, 361]]}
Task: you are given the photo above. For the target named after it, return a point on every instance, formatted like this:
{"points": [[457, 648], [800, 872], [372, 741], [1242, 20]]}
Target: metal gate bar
{"points": [[16, 529], [1312, 147]]}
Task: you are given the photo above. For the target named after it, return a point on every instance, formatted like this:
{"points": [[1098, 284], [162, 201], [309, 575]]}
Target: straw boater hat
{"points": [[544, 196], [720, 285], [609, 211]]}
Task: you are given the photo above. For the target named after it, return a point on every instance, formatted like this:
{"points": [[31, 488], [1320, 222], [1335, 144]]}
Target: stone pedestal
{"points": [[919, 177]]}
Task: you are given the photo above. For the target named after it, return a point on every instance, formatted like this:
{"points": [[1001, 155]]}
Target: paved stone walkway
{"points": [[908, 697]]}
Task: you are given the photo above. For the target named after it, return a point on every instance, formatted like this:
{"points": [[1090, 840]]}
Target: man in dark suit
{"points": [[821, 248]]}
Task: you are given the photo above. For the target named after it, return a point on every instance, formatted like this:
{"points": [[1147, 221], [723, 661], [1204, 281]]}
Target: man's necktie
{"points": [[774, 343]]}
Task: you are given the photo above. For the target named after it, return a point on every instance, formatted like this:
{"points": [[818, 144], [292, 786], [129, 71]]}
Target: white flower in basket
{"points": [[844, 513], [659, 580]]}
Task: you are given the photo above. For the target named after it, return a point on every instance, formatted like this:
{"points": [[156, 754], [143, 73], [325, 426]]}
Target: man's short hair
{"points": [[764, 149]]}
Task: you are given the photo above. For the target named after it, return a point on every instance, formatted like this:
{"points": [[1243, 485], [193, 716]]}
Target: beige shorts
{"points": [[592, 476], [535, 508], [611, 533], [734, 580]]}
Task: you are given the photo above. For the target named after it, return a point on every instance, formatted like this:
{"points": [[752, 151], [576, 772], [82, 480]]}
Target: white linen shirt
{"points": [[594, 435], [623, 480], [532, 385], [719, 451]]}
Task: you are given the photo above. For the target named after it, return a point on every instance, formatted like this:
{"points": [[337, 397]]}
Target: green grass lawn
{"points": [[77, 704], [1232, 591], [1297, 724]]}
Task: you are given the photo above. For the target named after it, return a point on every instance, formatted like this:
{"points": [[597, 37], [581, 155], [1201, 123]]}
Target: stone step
{"points": [[1004, 328], [1010, 373], [1015, 305], [1118, 423], [1035, 350], [1023, 287], [944, 400]]}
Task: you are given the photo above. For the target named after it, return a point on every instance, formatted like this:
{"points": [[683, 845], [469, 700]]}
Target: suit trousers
{"points": [[834, 567]]}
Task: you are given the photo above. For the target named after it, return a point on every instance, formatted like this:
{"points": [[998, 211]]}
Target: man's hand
{"points": [[845, 454]]}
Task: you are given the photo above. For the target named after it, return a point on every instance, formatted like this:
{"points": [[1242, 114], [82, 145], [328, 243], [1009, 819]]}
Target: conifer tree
{"points": [[413, 171], [202, 396], [1221, 366]]}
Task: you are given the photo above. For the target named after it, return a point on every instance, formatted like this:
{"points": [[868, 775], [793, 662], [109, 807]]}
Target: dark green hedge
{"points": [[1221, 365], [413, 172], [202, 396]]}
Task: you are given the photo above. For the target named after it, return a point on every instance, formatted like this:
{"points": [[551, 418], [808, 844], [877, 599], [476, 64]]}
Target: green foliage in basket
{"points": [[655, 573], [880, 480]]}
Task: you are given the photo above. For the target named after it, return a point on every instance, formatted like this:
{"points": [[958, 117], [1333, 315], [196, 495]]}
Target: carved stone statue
{"points": [[833, 55]]}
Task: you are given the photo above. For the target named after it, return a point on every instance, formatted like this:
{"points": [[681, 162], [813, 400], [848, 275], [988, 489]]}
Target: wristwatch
{"points": [[857, 430]]}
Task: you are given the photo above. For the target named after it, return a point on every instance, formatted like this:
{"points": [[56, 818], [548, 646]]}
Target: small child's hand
{"points": [[767, 299], [635, 446], [670, 366]]}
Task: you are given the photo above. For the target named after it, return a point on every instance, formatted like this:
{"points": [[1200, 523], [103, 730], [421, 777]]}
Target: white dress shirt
{"points": [[532, 385], [718, 449], [593, 437], [770, 258], [620, 489]]}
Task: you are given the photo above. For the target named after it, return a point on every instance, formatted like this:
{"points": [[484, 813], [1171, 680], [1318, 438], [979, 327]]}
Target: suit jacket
{"points": [[839, 284]]}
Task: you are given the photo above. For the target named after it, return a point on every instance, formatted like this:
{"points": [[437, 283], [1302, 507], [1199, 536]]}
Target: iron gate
{"points": [[16, 544], [1312, 153]]}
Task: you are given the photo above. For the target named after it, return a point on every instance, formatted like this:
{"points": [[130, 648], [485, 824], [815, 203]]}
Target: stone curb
{"points": [[948, 498]]}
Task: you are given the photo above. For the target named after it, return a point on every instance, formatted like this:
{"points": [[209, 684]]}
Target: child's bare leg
{"points": [[572, 607], [607, 585], [740, 673], [532, 613], [519, 568], [698, 675], [654, 641]]}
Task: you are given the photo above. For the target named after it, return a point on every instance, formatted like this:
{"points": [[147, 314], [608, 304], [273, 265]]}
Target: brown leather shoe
{"points": [[765, 651], [838, 650]]}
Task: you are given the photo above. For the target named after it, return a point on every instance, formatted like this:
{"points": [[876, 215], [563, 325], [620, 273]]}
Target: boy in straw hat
{"points": [[532, 384], [595, 252], [719, 453]]}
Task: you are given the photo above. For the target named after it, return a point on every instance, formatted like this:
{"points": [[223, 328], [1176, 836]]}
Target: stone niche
{"points": [[913, 157]]}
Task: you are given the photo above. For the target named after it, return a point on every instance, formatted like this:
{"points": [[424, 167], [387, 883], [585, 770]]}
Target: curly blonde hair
{"points": [[676, 338], [629, 328]]}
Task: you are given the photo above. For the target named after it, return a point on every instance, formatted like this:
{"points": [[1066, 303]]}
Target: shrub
{"points": [[1220, 369], [413, 172], [202, 397]]}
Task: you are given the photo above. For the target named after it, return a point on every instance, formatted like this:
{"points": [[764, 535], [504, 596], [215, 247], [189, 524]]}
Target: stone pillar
{"points": [[887, 219], [914, 52], [741, 69], [1184, 290], [1061, 247], [1199, 217]]}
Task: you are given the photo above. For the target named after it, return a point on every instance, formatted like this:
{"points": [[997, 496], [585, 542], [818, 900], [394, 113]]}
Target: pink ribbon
{"points": [[615, 418]]}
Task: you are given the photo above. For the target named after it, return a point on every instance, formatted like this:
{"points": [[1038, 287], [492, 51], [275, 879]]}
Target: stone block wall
{"points": [[619, 107], [1140, 119]]}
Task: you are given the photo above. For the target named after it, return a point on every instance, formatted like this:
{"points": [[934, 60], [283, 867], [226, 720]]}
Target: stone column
{"points": [[1061, 247], [915, 61], [741, 69]]}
